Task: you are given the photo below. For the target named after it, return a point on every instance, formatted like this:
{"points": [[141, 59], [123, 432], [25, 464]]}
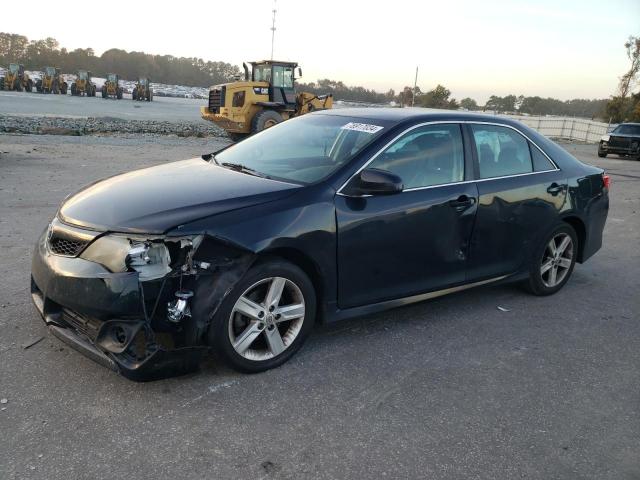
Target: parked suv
{"points": [[623, 140]]}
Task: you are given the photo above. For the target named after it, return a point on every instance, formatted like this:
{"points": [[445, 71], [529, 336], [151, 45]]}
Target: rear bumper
{"points": [[99, 313]]}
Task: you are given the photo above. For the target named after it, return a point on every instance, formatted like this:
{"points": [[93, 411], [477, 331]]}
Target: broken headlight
{"points": [[152, 258]]}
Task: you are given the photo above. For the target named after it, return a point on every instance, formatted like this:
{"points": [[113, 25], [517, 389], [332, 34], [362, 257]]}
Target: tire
{"points": [[602, 154], [542, 283], [228, 324], [119, 94], [104, 92], [29, 87], [264, 120], [134, 94], [18, 85]]}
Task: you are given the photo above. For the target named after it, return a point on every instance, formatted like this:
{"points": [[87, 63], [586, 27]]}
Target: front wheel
{"points": [[265, 319], [554, 262], [265, 119], [602, 154]]}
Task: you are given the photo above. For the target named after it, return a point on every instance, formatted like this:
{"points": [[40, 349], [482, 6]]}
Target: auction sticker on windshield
{"points": [[362, 127]]}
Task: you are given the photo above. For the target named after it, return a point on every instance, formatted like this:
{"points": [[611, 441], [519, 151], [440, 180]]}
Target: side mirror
{"points": [[246, 71], [299, 72], [374, 181]]}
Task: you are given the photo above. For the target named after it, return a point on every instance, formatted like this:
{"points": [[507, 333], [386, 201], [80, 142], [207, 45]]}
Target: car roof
{"points": [[629, 123], [400, 115]]}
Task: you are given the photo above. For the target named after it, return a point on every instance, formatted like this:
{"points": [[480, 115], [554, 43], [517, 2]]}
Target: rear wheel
{"points": [[104, 92], [264, 120], [266, 318], [18, 85], [554, 261]]}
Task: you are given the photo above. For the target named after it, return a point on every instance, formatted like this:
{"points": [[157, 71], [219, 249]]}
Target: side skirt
{"points": [[334, 314]]}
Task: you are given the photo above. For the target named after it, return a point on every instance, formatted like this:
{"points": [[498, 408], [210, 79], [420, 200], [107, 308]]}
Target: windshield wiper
{"points": [[243, 168]]}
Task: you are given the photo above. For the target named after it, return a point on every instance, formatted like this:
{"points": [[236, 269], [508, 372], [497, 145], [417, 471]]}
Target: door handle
{"points": [[554, 189], [462, 202]]}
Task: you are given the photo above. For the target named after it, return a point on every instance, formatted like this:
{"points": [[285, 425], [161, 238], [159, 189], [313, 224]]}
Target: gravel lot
{"points": [[34, 104], [451, 388]]}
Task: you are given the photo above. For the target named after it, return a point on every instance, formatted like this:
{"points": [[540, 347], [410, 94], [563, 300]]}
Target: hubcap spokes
{"points": [[267, 318], [556, 260]]}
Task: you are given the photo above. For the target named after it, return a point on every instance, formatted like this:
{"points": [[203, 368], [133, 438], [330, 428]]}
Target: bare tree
{"points": [[628, 80]]}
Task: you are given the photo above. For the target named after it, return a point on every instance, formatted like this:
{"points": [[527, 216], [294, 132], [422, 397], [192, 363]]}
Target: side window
{"points": [[501, 151], [427, 156], [540, 162], [288, 77]]}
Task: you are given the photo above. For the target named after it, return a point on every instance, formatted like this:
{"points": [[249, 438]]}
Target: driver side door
{"points": [[396, 245]]}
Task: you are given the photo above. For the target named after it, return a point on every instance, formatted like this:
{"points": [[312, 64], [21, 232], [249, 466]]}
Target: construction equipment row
{"points": [[52, 81]]}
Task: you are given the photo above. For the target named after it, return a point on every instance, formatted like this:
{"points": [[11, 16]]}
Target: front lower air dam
{"points": [[103, 314]]}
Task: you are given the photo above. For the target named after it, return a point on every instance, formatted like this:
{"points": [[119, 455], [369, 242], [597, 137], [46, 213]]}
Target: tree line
{"points": [[188, 71]]}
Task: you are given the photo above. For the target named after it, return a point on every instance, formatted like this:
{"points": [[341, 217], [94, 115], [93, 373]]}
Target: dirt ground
{"points": [[451, 388]]}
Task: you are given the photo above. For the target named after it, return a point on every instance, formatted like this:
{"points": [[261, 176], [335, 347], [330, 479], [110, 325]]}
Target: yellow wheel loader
{"points": [[83, 84], [142, 90], [266, 97], [51, 81], [16, 79], [111, 87]]}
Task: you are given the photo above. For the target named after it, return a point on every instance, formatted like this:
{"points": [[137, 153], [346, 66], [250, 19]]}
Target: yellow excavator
{"points": [[15, 78], [266, 97], [51, 81]]}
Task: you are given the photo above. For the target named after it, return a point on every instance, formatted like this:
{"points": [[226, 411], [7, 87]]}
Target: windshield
{"points": [[82, 75], [262, 73], [628, 129], [50, 71], [13, 68], [143, 82], [112, 77], [305, 149]]}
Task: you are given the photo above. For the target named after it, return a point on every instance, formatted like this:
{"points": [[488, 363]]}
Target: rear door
{"points": [[393, 246], [520, 192]]}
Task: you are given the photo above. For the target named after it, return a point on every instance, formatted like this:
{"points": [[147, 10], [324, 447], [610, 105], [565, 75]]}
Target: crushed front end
{"points": [[126, 301]]}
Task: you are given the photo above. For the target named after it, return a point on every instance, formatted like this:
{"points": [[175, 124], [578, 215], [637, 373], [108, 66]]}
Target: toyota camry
{"points": [[332, 215]]}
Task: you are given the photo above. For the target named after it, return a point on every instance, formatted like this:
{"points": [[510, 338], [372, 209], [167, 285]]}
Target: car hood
{"points": [[157, 199]]}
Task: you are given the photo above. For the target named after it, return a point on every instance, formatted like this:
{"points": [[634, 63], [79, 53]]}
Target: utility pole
{"points": [[415, 86], [273, 27]]}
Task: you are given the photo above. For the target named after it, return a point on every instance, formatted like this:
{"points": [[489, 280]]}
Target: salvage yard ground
{"points": [[490, 383], [161, 108]]}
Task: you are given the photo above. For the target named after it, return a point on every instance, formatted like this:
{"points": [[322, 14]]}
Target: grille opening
{"points": [[66, 247]]}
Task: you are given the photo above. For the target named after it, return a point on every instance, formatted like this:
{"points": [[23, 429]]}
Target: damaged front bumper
{"points": [[103, 315]]}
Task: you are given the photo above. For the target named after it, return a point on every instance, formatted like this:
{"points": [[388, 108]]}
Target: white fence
{"points": [[565, 127]]}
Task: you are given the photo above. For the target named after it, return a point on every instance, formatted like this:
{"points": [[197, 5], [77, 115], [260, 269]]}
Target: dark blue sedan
{"points": [[324, 217]]}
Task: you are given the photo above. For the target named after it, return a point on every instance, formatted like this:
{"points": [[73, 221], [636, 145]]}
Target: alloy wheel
{"points": [[266, 319], [557, 260]]}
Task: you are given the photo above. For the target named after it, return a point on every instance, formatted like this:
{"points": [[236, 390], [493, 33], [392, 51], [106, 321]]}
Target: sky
{"points": [[476, 48]]}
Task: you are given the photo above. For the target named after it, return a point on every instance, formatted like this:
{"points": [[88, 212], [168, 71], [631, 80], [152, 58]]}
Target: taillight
{"points": [[606, 180]]}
